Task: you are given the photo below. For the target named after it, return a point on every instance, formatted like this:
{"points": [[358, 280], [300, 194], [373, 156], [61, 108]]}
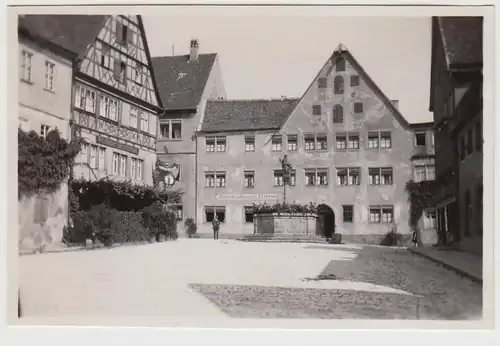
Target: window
{"points": [[85, 99], [380, 176], [432, 138], [84, 154], [385, 140], [105, 56], [140, 167], [373, 138], [469, 142], [123, 166], [136, 168], [108, 108], [292, 142], [322, 82], [121, 33], [210, 144], [102, 158], [353, 141], [420, 139], [479, 135], [278, 177], [338, 85], [354, 81], [340, 65], [119, 71], [358, 107], [250, 143], [424, 172], [309, 142], [341, 141], [210, 213], [348, 176], [144, 121], [248, 214], [220, 144], [26, 60], [429, 219], [116, 158], [321, 142], [215, 179], [316, 109], [348, 213], [316, 176], [209, 179], [138, 73], [171, 129], [44, 130], [338, 114], [381, 214], [249, 179], [134, 120], [276, 143], [93, 157], [49, 75]]}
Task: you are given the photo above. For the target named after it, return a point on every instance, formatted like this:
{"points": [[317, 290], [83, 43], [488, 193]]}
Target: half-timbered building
{"points": [[115, 103]]}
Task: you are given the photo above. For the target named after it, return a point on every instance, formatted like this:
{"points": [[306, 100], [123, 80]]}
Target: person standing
{"points": [[216, 226]]}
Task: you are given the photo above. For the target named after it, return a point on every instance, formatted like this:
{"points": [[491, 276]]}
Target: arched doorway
{"points": [[326, 221]]}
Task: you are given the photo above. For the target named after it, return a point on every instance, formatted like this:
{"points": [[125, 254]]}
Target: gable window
{"points": [[44, 130], [348, 213], [138, 73], [338, 85], [250, 143], [210, 213], [122, 33], [358, 107], [381, 214], [276, 143], [338, 114], [171, 129], [340, 65], [119, 71], [348, 176], [479, 135], [316, 176], [248, 214], [385, 140], [144, 121], [317, 110], [26, 61], [292, 142], [85, 99], [373, 138], [105, 56], [49, 75], [380, 176], [249, 179], [379, 139], [134, 120], [322, 82], [108, 108], [354, 81], [420, 139]]}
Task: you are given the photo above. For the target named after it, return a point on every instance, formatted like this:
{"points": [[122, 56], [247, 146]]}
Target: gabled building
{"points": [[185, 83], [349, 146], [44, 99], [456, 101], [114, 98]]}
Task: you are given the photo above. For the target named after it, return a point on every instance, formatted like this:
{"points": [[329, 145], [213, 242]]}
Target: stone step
{"points": [[284, 238]]}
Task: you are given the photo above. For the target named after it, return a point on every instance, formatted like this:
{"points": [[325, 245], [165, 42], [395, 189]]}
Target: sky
{"points": [[272, 56]]}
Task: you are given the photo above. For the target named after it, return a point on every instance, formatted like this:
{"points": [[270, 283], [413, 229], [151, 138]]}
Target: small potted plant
{"points": [[191, 227]]}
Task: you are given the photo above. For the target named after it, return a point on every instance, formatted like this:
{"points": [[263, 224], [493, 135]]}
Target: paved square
{"points": [[204, 278]]}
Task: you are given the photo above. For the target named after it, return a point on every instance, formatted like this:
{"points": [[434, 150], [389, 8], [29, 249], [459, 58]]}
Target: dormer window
{"points": [[338, 85]]}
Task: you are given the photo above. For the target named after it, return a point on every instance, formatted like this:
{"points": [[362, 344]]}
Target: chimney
{"points": [[395, 103], [193, 55]]}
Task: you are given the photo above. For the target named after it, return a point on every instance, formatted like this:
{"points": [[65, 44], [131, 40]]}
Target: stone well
{"points": [[285, 223]]}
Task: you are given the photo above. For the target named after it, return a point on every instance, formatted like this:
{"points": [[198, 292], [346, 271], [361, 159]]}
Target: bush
{"points": [[160, 221], [285, 208], [191, 227], [392, 238]]}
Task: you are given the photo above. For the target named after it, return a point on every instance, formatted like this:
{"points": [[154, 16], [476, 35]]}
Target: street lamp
{"points": [[286, 169]]}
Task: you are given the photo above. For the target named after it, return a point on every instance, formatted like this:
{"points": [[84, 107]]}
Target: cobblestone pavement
{"points": [[203, 278]]}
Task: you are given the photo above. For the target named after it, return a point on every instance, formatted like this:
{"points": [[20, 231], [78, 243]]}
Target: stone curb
{"points": [[473, 276], [83, 248]]}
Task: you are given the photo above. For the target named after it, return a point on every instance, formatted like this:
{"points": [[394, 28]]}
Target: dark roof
{"points": [[462, 40], [426, 125], [180, 82], [72, 32], [246, 115]]}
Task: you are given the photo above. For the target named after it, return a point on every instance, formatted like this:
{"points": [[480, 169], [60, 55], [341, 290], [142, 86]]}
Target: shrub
{"points": [[392, 238], [191, 227], [160, 221], [285, 208]]}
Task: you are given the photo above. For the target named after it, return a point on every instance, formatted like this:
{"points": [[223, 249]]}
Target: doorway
{"points": [[326, 221]]}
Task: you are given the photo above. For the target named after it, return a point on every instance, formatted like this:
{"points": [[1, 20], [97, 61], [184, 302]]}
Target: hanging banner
{"points": [[168, 172]]}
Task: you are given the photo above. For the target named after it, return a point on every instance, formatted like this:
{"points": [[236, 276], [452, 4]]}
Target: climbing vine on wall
{"points": [[420, 197], [44, 163], [285, 208]]}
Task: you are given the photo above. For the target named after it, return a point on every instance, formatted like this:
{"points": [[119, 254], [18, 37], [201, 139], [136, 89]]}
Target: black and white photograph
{"points": [[228, 164]]}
